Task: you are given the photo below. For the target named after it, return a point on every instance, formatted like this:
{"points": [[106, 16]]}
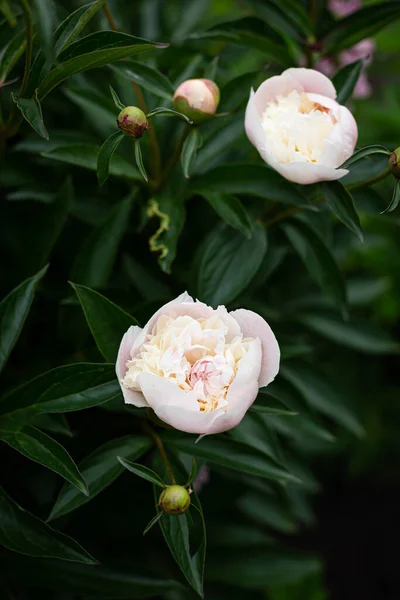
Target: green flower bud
{"points": [[175, 500], [198, 99], [394, 163], [132, 121]]}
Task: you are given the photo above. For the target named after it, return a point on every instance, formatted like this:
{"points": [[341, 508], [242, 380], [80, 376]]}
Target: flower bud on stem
{"points": [[174, 500], [198, 99]]}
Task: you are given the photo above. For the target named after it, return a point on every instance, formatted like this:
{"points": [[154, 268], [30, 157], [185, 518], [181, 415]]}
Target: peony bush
{"points": [[163, 443]]}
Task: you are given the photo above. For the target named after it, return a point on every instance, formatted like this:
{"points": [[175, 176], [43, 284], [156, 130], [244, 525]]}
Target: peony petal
{"points": [[252, 123], [182, 305], [311, 81], [159, 391], [349, 131], [176, 407], [229, 321], [305, 173], [124, 354], [279, 85], [252, 325]]}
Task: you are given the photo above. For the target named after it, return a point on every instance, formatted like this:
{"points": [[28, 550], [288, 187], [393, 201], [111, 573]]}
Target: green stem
{"points": [[153, 142], [29, 39], [175, 156], [15, 119], [162, 451]]}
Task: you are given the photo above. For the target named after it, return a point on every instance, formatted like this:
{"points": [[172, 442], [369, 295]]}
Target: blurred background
{"points": [[336, 536]]}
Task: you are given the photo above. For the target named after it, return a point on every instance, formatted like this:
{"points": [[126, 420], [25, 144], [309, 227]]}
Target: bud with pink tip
{"points": [[394, 163], [133, 121], [198, 99]]}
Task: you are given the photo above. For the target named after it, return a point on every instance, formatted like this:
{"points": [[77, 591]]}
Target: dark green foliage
{"points": [[130, 227]]}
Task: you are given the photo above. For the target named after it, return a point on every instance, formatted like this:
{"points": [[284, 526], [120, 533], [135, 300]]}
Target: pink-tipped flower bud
{"points": [[174, 500], [133, 121], [198, 99], [394, 163]]}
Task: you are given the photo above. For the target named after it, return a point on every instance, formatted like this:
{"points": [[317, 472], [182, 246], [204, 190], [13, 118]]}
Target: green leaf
{"points": [[229, 453], [72, 26], [85, 155], [253, 431], [100, 469], [8, 12], [44, 11], [107, 321], [195, 521], [176, 530], [139, 161], [65, 34], [147, 77], [63, 389], [168, 112], [95, 260], [345, 80], [105, 153], [76, 580], [47, 225], [290, 20], [363, 23], [41, 448], [269, 404], [366, 151], [168, 207], [12, 52], [321, 394], [56, 423], [22, 532], [356, 334], [117, 101], [32, 113], [253, 180], [189, 149], [142, 471], [268, 566], [211, 69], [367, 171], [252, 33], [227, 262], [342, 205], [395, 198], [13, 312], [153, 521], [92, 51], [317, 259], [235, 92], [268, 510], [231, 210], [192, 474]]}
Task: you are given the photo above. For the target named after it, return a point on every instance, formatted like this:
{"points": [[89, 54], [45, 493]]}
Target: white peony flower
{"points": [[198, 368]]}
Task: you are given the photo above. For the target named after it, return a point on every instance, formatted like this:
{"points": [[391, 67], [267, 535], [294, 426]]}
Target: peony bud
{"points": [[175, 500], [394, 163], [133, 121], [198, 99]]}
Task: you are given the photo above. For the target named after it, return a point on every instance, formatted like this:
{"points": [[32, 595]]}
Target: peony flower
{"points": [[344, 8], [298, 128], [198, 368]]}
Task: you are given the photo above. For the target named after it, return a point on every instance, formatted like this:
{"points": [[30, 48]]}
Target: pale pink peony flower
{"points": [[203, 477], [198, 368], [298, 128]]}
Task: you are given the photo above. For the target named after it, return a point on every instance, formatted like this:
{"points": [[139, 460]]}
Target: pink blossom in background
{"points": [[362, 50], [343, 8], [203, 477]]}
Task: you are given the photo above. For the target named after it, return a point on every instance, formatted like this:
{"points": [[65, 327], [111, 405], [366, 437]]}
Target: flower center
{"points": [[297, 128]]}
